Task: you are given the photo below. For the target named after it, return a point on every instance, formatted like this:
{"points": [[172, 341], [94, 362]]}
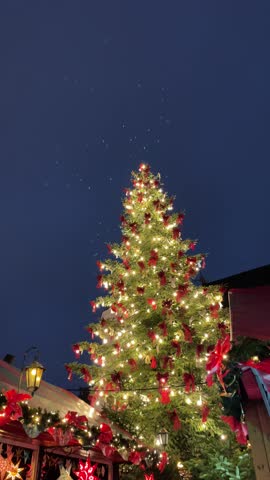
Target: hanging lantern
{"points": [[163, 437], [33, 376]]}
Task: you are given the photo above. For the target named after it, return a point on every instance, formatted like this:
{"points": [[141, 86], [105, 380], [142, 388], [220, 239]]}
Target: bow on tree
{"points": [[189, 382], [239, 428], [215, 360], [175, 420]]}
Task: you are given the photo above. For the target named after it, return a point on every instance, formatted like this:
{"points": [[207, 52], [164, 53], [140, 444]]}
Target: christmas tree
{"points": [[161, 337]]}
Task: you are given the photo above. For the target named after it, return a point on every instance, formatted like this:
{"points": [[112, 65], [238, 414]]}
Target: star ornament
{"points": [[86, 470], [149, 477], [14, 472]]}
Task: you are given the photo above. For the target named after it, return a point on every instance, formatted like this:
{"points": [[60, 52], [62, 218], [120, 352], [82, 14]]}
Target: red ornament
{"points": [[162, 278], [149, 477], [152, 303], [153, 258], [189, 382], [153, 363], [86, 470], [140, 290]]}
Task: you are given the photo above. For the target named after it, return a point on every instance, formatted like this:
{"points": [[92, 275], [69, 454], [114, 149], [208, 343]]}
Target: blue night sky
{"points": [[88, 90]]}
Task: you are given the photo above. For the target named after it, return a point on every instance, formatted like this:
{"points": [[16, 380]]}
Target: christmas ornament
{"points": [[14, 472], [86, 470]]}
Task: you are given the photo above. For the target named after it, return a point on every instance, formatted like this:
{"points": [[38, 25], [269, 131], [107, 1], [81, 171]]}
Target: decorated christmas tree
{"points": [[161, 337]]}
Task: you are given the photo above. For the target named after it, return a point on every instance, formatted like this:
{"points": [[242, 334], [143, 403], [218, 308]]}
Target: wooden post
{"points": [[258, 424]]}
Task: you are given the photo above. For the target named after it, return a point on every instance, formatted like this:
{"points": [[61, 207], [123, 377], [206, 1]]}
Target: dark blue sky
{"points": [[88, 90]]}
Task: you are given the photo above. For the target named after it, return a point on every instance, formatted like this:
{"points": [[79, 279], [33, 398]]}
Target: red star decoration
{"points": [[86, 470]]}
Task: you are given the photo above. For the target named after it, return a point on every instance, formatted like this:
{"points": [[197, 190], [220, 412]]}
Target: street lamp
{"points": [[33, 371], [163, 437]]}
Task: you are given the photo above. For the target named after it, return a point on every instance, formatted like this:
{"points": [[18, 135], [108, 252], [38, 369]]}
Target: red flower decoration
{"points": [[12, 409], [180, 218], [69, 372], [78, 421], [106, 434]]}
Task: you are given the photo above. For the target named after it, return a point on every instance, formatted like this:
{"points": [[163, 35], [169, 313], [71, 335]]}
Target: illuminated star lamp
{"points": [[86, 470], [14, 472]]}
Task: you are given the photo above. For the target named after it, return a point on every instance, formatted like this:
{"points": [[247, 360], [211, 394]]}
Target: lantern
{"points": [[163, 437], [33, 376]]}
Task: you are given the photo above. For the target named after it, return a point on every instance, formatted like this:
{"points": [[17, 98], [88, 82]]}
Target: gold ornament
{"points": [[14, 472]]}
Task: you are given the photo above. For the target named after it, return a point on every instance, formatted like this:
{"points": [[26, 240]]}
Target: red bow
{"points": [[175, 420], [12, 408], [239, 428], [152, 302], [126, 263], [121, 286], [109, 248], [77, 350], [117, 348], [147, 217], [176, 344], [205, 412], [165, 396], [86, 375], [99, 280], [181, 292], [192, 245], [167, 363], [187, 333], [151, 335], [174, 267], [140, 290], [107, 450], [162, 278], [132, 363], [214, 364], [123, 220], [199, 350], [263, 366], [76, 420], [175, 233], [140, 197], [162, 379], [166, 219], [222, 328], [134, 227], [117, 377], [141, 265], [94, 306], [180, 254], [153, 258], [69, 372], [189, 382], [166, 304], [180, 218], [163, 327]]}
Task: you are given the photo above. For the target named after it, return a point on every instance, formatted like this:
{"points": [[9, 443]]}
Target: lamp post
{"points": [[33, 371], [163, 437]]}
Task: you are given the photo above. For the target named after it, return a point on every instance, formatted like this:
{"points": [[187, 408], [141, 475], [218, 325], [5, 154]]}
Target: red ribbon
{"points": [[205, 412], [135, 458], [69, 372], [175, 233], [86, 375], [214, 364], [214, 309], [192, 246], [238, 428], [141, 265], [165, 396], [163, 327], [181, 292], [166, 219], [163, 462], [94, 306], [140, 290], [106, 434], [12, 409], [77, 350], [99, 280], [199, 350], [76, 420], [180, 218], [153, 362], [147, 218], [151, 335], [132, 363], [167, 363]]}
